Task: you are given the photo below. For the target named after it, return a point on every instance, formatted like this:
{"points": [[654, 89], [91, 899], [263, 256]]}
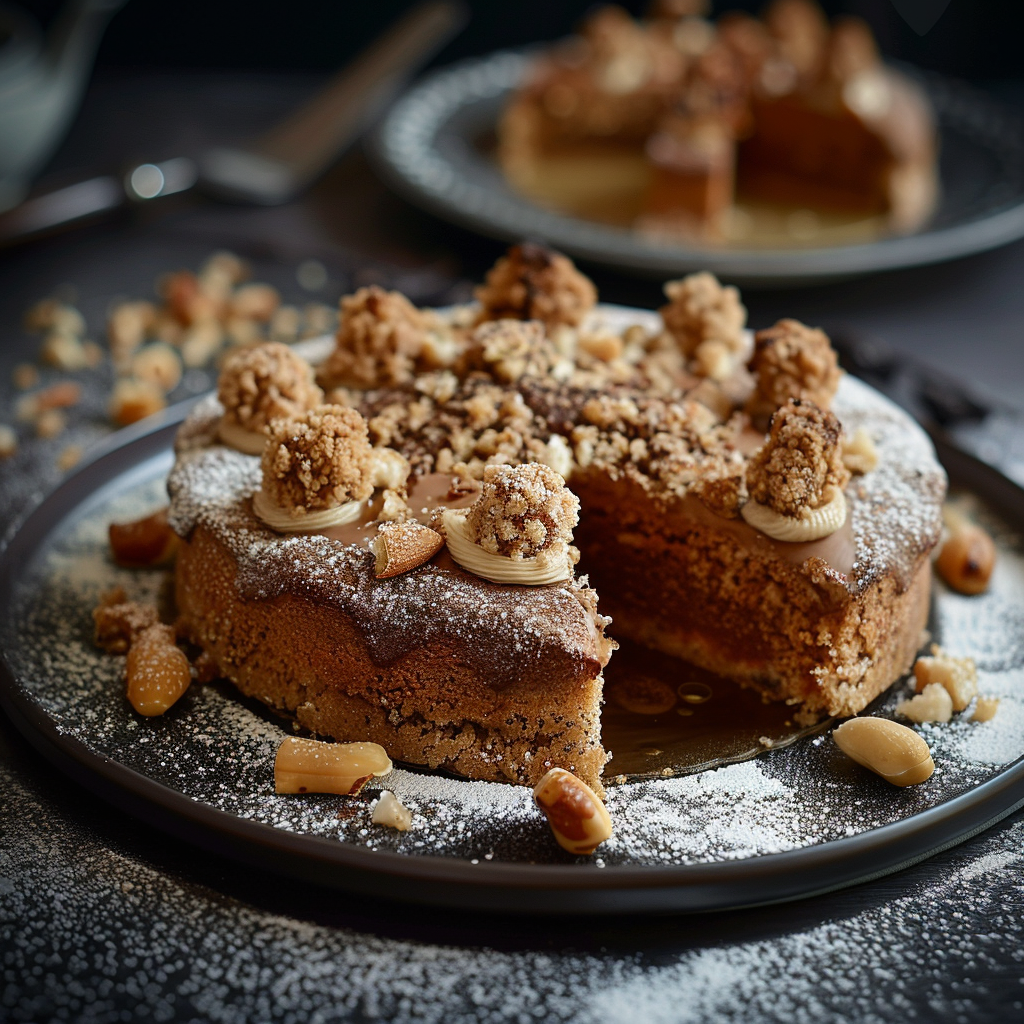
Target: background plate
{"points": [[429, 146], [789, 824]]}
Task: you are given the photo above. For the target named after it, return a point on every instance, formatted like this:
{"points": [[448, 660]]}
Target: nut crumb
{"points": [[799, 461], [8, 441], [859, 452], [133, 400], [390, 811], [701, 310], [118, 621], [932, 704], [985, 709], [318, 461], [531, 282], [792, 361], [510, 350], [266, 382], [959, 676]]}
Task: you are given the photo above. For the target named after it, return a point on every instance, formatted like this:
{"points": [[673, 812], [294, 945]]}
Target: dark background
{"points": [[975, 39]]}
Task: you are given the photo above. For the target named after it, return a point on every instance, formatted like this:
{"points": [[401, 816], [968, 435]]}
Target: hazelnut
{"points": [[966, 560]]}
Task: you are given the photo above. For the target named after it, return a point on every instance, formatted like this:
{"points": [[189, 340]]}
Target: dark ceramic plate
{"points": [[432, 146], [790, 823]]}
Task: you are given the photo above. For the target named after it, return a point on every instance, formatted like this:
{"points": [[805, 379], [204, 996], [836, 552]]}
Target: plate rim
{"points": [[608, 246], [495, 886]]}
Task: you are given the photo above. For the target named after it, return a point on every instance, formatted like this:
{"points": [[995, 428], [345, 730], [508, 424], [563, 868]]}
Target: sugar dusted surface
{"points": [[218, 749]]}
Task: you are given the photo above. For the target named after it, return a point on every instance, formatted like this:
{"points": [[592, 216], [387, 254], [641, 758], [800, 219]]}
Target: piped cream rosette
{"points": [[551, 566], [248, 442], [286, 521], [811, 524]]}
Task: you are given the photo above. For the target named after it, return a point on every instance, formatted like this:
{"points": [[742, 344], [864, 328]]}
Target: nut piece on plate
{"points": [[932, 704], [796, 478], [317, 470], [519, 529], [390, 811], [262, 383], [119, 621], [966, 559], [134, 400], [531, 282], [707, 320], [144, 543], [859, 452], [399, 547], [577, 817], [380, 337], [792, 361], [158, 672], [985, 710], [312, 766], [887, 748], [959, 676]]}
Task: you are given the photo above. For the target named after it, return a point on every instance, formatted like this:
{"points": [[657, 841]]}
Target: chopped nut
{"points": [[144, 543], [134, 400], [958, 675], [390, 469], [390, 811], [932, 704], [58, 396], [224, 267], [158, 364], [64, 351], [318, 461], [200, 343], [605, 347], [534, 283], [255, 302], [25, 376], [380, 337], [700, 310], [242, 331], [309, 766], [792, 361], [887, 748], [51, 423], [128, 325], [266, 382], [118, 621], [401, 547], [53, 315], [578, 818], [8, 441], [799, 463], [966, 559], [188, 301], [69, 458], [158, 673], [511, 349], [859, 452], [985, 709]]}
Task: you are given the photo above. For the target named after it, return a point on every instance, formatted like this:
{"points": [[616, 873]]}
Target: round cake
{"points": [[415, 556]]}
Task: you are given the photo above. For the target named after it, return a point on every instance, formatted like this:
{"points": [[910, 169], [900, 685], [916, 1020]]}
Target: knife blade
{"points": [[275, 167]]}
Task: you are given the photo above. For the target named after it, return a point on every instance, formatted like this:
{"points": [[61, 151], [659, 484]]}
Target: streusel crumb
{"points": [[266, 382], [318, 461], [799, 460], [534, 283], [380, 336], [118, 621], [701, 309], [724, 494], [522, 511], [792, 360], [510, 349]]}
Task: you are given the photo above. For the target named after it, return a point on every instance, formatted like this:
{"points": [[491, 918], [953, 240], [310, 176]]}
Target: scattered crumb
{"points": [[985, 709], [390, 811], [932, 704]]}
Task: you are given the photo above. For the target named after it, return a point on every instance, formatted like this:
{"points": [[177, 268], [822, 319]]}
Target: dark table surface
{"points": [[105, 919]]}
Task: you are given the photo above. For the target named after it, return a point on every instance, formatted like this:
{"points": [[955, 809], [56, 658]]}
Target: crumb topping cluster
{"points": [[534, 283], [706, 320], [380, 336], [266, 382], [522, 511], [318, 461], [792, 361], [800, 460], [510, 349]]}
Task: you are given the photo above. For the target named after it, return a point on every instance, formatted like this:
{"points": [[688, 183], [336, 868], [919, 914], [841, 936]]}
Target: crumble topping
{"points": [[522, 511], [318, 461], [266, 382], [510, 349], [380, 336], [792, 360], [702, 311], [724, 494], [800, 460], [534, 283], [801, 32], [119, 621]]}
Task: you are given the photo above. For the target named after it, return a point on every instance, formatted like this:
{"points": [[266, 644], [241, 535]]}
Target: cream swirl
{"points": [[248, 442], [285, 521], [811, 524]]}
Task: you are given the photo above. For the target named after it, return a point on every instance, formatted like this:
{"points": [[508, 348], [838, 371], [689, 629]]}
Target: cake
{"points": [[664, 122], [415, 557]]}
